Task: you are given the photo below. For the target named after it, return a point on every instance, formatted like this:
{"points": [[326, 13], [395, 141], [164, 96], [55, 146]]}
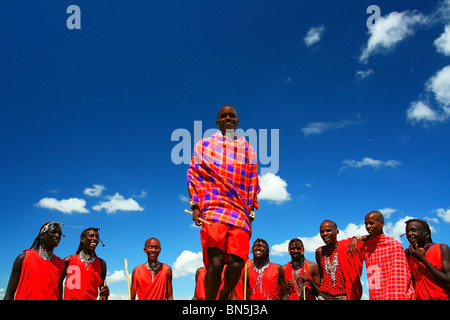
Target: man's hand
{"points": [[418, 253], [196, 215]]}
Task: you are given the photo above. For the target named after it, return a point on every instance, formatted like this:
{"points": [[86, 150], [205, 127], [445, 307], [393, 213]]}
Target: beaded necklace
{"points": [[331, 267], [86, 259], [153, 267]]}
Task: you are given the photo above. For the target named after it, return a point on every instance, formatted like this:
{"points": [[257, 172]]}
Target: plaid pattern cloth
{"points": [[223, 180], [387, 269]]}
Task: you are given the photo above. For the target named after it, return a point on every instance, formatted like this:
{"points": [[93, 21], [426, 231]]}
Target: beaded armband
{"points": [[193, 205]]}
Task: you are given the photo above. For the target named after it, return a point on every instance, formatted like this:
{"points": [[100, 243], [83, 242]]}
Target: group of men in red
{"points": [[223, 185]]}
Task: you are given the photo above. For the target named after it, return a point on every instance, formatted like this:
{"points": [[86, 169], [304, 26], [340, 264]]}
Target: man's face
{"points": [[328, 232], [259, 250], [90, 241], [296, 250], [374, 225], [152, 249], [52, 236], [227, 119], [414, 234]]}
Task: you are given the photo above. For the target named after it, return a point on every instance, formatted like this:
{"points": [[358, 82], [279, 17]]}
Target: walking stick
{"points": [[245, 279], [103, 297], [128, 279]]}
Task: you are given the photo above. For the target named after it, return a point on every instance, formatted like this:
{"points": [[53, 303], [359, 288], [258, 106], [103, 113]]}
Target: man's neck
{"points": [[259, 263], [88, 253], [331, 246], [298, 262]]}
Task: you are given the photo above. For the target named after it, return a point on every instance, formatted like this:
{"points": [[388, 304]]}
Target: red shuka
{"points": [[425, 287], [82, 283], [265, 287], [295, 292], [39, 278], [145, 288], [352, 269]]}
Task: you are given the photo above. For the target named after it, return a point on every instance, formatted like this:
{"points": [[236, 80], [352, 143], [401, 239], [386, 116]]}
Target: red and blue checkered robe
{"points": [[387, 269], [223, 180]]}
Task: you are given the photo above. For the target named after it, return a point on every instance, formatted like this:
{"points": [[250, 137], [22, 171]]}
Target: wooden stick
{"points": [[200, 219], [245, 279], [103, 297], [128, 279], [304, 291]]}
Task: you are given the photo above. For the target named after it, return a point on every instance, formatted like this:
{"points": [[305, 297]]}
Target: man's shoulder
{"points": [[207, 140]]}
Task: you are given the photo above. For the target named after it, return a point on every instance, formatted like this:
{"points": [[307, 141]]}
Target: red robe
{"points": [[352, 269], [425, 287], [296, 292], [145, 288], [200, 284], [265, 287], [388, 273], [82, 283], [39, 278]]}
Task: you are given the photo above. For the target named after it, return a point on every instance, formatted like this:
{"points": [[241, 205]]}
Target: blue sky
{"points": [[88, 115]]}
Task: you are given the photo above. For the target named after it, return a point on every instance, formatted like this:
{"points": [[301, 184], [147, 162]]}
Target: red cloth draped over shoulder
{"points": [[39, 278], [294, 293], [352, 269], [82, 283], [148, 289], [425, 287], [265, 287]]}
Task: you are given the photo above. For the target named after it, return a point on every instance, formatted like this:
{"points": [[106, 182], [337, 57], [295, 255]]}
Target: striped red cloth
{"points": [[223, 180], [387, 269]]}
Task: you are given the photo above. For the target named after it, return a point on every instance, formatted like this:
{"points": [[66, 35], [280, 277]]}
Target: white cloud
{"points": [[397, 229], [183, 198], [369, 162], [117, 276], [442, 43], [387, 212], [320, 127], [96, 191], [437, 86], [389, 31], [444, 214], [273, 188], [419, 111], [360, 74], [187, 263], [118, 202], [65, 205], [314, 35]]}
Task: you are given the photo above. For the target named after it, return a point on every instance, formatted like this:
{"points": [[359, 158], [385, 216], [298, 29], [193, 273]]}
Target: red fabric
{"points": [[265, 287], [239, 288], [425, 287], [82, 283], [145, 288], [200, 285], [223, 180], [348, 273], [327, 285], [352, 269], [231, 240], [296, 292], [39, 278], [387, 269]]}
